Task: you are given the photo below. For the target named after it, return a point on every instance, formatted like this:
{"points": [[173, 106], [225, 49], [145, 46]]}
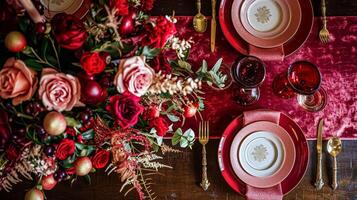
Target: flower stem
{"points": [[56, 53], [22, 115]]}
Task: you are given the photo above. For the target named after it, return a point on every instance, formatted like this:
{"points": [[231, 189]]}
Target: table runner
{"points": [[337, 61]]}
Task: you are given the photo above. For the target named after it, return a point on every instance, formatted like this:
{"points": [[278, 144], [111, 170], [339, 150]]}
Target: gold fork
{"points": [[324, 34], [203, 131]]}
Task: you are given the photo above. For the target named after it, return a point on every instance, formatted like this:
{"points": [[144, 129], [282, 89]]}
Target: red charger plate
{"points": [[296, 174], [242, 46]]}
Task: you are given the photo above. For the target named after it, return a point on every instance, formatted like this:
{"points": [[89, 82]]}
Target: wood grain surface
{"points": [[182, 182]]}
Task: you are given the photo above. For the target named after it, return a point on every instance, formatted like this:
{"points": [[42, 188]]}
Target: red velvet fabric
{"points": [[337, 61]]}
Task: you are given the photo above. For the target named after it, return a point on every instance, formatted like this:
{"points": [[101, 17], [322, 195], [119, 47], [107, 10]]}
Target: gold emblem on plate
{"points": [[263, 15], [260, 153]]}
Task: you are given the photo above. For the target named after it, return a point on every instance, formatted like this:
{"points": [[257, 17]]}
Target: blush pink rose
{"points": [[17, 81], [59, 91], [134, 75]]}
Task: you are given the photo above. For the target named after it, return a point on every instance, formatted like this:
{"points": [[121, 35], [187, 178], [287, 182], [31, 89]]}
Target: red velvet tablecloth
{"points": [[337, 61]]}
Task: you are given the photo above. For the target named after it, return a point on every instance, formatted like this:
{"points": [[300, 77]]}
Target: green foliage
{"points": [[148, 52], [213, 76], [186, 139]]}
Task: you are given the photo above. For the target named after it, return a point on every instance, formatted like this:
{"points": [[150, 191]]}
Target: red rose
{"points": [[121, 5], [125, 108], [5, 130], [93, 63], [160, 125], [69, 31], [12, 153], [70, 131], [100, 159], [152, 112], [159, 34], [147, 4], [71, 170], [65, 149]]}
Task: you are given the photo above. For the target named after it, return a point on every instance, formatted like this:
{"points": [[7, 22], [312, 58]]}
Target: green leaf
{"points": [[185, 65], [178, 131], [72, 122], [216, 66], [24, 23], [173, 118], [150, 53], [88, 135], [183, 142], [33, 64], [88, 179], [73, 180], [201, 105], [80, 146], [44, 48], [68, 163], [175, 139], [189, 134]]}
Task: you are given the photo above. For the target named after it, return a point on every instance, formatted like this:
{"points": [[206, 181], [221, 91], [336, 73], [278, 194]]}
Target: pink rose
{"points": [[17, 81], [59, 91], [134, 75]]}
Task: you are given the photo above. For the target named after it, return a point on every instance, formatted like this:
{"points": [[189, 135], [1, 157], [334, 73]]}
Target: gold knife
{"points": [[213, 26], [319, 182]]}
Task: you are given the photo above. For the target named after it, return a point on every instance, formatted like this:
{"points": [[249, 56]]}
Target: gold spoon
{"points": [[199, 21], [334, 147]]}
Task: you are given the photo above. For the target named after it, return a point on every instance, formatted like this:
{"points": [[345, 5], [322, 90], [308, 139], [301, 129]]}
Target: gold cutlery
{"points": [[213, 26], [324, 34], [203, 131], [319, 182], [334, 147], [199, 21]]}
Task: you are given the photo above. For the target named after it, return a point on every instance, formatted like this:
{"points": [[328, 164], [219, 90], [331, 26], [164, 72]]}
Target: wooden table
{"points": [[182, 182]]}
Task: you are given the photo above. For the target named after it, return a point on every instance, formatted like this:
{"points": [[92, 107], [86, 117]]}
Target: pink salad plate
{"points": [[277, 162], [78, 8], [288, 48], [266, 23], [294, 131]]}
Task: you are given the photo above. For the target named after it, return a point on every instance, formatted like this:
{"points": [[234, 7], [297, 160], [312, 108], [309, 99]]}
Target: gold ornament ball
{"points": [[54, 123]]}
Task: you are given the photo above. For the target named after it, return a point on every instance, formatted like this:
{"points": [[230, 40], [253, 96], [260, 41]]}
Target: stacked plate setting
{"points": [[263, 149], [256, 26], [262, 154]]}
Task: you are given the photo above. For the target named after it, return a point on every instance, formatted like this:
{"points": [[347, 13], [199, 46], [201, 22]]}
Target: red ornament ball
{"points": [[48, 182], [92, 92], [15, 41], [54, 123], [83, 166], [34, 194], [127, 25]]}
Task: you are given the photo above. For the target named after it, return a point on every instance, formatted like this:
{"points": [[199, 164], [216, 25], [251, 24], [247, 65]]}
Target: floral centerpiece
{"points": [[79, 95]]}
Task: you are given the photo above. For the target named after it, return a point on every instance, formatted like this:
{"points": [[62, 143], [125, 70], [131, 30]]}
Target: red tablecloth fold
{"points": [[337, 61]]}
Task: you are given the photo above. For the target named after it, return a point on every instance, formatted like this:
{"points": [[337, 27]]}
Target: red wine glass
{"points": [[249, 73], [304, 79]]}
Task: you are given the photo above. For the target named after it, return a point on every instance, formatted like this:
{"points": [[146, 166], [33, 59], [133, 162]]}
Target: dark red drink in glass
{"points": [[249, 73]]}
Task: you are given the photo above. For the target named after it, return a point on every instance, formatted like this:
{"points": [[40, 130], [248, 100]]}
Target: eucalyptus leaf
{"points": [[178, 131], [173, 118], [159, 140], [175, 139], [189, 135], [183, 143]]}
